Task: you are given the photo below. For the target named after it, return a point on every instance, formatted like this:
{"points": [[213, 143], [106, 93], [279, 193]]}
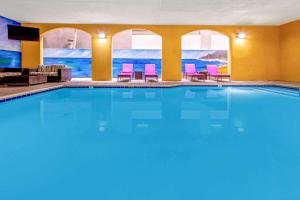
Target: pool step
{"points": [[282, 91]]}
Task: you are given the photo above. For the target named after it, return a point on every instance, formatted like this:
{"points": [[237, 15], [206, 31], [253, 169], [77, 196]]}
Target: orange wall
{"points": [[255, 58], [290, 51]]}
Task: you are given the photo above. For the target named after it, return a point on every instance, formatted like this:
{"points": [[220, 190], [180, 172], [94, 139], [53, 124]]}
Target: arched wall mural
{"points": [[137, 47], [206, 47], [71, 47]]}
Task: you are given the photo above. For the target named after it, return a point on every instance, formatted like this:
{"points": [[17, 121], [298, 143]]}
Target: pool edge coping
{"points": [[29, 93], [18, 95]]}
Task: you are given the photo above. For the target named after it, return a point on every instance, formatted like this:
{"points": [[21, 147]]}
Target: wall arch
{"points": [[69, 46], [138, 47], [210, 52], [46, 30], [187, 31], [135, 28]]}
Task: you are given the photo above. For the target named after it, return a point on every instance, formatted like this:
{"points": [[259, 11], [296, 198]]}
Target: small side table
{"points": [[205, 73], [138, 75]]}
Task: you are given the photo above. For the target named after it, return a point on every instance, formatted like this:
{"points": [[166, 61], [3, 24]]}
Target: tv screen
{"points": [[23, 33]]}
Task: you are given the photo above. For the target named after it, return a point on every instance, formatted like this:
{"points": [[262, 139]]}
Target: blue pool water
{"points": [[184, 143]]}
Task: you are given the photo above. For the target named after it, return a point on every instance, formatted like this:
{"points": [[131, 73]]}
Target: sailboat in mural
{"points": [[73, 41]]}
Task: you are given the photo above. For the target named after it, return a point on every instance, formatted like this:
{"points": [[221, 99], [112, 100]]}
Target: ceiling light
{"points": [[241, 35], [102, 36]]}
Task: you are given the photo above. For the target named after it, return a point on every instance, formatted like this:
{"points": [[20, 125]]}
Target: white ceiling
{"points": [[201, 12]]}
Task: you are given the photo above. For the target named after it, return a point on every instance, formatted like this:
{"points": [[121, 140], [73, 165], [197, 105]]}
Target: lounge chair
{"points": [[150, 72], [190, 71], [127, 72], [212, 71]]}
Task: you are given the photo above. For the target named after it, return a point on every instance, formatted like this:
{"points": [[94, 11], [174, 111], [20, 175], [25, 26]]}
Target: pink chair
{"points": [[190, 71], [127, 72], [150, 72], [212, 71]]}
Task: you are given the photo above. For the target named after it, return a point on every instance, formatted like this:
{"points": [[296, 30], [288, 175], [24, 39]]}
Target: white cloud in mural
{"points": [[5, 43], [67, 53]]}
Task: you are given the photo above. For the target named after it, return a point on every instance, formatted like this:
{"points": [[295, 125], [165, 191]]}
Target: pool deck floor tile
{"points": [[17, 91]]}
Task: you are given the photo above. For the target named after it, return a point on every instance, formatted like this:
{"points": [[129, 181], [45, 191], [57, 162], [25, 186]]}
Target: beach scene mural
{"points": [[205, 47], [140, 57], [10, 50], [202, 58], [141, 47], [72, 47], [80, 60], [137, 47]]}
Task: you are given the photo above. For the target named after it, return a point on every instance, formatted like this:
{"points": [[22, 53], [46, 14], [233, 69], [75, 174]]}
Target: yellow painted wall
{"points": [[32, 53], [255, 58], [290, 51]]}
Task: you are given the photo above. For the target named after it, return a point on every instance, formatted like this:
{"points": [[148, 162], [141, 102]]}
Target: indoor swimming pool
{"points": [[181, 143]]}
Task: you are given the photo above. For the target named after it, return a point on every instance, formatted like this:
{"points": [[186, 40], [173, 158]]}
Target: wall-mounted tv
{"points": [[23, 33]]}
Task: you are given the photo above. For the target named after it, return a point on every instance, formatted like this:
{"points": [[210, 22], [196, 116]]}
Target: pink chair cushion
{"points": [[190, 68], [127, 68], [192, 73], [220, 75], [212, 69], [150, 69], [151, 74], [125, 73]]}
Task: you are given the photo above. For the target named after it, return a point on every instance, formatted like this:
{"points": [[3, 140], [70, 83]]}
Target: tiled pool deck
{"points": [[8, 93]]}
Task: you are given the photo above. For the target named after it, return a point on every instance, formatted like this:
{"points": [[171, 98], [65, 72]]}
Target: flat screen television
{"points": [[23, 33]]}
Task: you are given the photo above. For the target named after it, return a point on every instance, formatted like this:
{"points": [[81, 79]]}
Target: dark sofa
{"points": [[20, 76], [6, 73], [10, 72], [54, 73]]}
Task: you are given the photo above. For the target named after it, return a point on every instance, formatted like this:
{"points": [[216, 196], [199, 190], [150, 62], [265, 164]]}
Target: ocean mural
{"points": [[10, 50], [139, 58], [80, 59]]}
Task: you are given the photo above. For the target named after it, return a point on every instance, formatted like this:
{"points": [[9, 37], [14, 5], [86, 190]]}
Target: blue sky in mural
{"points": [[10, 50], [80, 59], [129, 53]]}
